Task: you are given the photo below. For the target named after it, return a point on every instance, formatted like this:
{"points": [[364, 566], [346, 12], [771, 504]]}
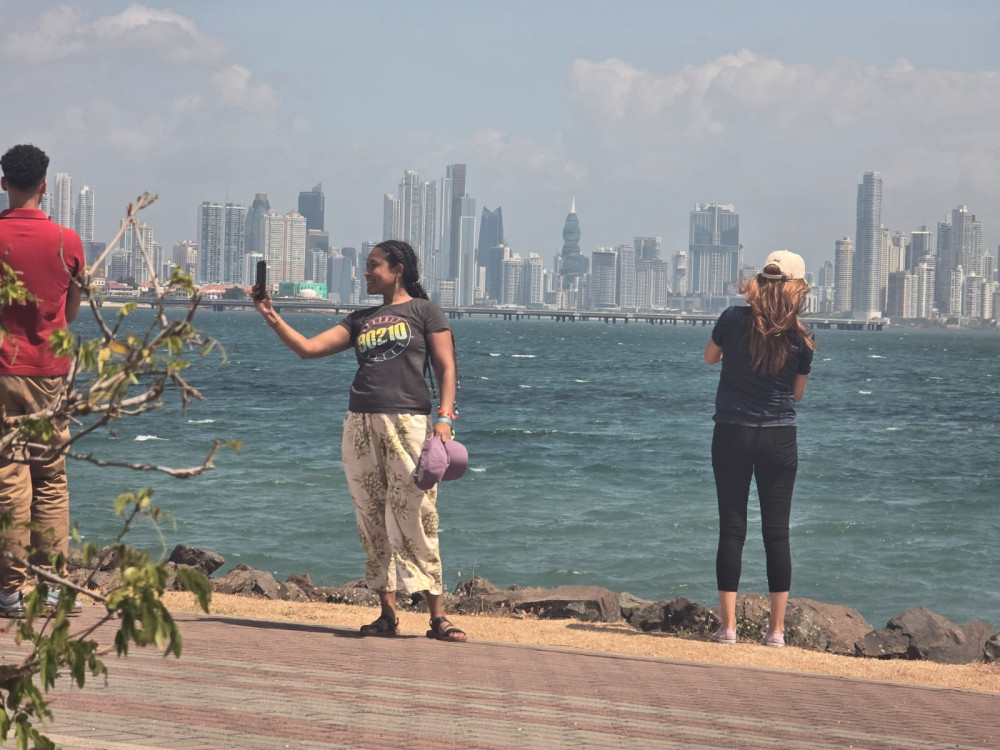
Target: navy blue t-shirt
{"points": [[746, 396]]}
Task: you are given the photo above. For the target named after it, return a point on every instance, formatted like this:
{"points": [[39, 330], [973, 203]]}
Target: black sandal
{"points": [[442, 629], [383, 626]]}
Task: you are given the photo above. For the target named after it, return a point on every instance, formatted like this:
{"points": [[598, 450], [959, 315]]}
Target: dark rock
{"points": [[977, 634], [824, 627], [477, 586], [883, 643], [74, 559], [588, 603], [991, 650], [247, 581], [678, 615], [630, 604], [293, 593], [923, 635], [303, 583], [203, 560], [356, 593]]}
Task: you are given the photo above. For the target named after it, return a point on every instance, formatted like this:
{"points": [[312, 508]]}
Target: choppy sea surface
{"points": [[589, 453]]}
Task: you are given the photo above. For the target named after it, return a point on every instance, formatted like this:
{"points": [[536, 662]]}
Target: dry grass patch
{"points": [[616, 639]]}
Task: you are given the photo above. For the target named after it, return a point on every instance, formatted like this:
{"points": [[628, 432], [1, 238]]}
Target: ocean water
{"points": [[589, 454]]}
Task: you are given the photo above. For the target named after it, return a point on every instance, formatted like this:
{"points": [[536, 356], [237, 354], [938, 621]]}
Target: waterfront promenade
{"points": [[251, 684]]}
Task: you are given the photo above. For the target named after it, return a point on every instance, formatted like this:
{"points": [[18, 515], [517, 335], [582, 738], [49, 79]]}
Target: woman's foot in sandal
{"points": [[443, 630], [386, 625]]}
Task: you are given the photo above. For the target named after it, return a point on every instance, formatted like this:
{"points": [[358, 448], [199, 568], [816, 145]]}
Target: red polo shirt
{"points": [[45, 257]]}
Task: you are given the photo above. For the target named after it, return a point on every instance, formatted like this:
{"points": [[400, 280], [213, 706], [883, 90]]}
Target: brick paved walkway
{"points": [[253, 684]]}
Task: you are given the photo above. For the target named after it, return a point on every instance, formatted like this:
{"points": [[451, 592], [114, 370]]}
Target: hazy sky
{"points": [[637, 109]]}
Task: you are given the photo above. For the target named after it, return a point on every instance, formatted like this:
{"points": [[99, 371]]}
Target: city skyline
{"points": [[638, 111]]}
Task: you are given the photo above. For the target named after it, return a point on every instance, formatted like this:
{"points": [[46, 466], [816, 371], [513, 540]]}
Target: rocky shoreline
{"points": [[917, 634]]}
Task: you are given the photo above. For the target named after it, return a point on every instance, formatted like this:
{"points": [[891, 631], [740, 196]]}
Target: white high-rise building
{"points": [[843, 275], [62, 205], [866, 301], [284, 239], [392, 226], [512, 270], [531, 281], [681, 279], [925, 288], [85, 214], [221, 234], [129, 259], [625, 281]]}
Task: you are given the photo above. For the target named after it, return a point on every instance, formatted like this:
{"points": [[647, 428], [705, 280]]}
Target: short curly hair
{"points": [[24, 166]]}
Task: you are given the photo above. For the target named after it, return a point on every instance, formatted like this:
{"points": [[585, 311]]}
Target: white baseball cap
{"points": [[790, 265]]}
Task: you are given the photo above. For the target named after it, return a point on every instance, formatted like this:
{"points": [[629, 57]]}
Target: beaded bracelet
{"points": [[449, 415]]}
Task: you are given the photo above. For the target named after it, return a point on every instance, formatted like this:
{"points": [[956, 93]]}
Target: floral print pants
{"points": [[397, 521]]}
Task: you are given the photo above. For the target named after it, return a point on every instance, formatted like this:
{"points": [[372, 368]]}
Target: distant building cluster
{"points": [[944, 276]]}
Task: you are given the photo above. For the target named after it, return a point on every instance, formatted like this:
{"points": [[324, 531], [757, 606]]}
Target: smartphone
{"points": [[261, 282]]}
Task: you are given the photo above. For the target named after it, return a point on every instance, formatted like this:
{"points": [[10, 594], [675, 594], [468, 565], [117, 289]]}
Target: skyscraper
{"points": [[411, 209], [285, 246], [715, 253], [572, 264], [959, 255], [531, 280], [85, 214], [604, 269], [455, 177], [682, 280], [921, 246], [866, 283], [392, 220], [491, 228], [221, 234], [252, 233], [312, 206], [647, 248], [464, 211], [843, 275], [62, 207], [625, 278]]}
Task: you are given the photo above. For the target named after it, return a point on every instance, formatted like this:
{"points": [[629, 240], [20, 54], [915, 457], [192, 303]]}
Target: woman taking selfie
{"points": [[386, 425], [766, 356]]}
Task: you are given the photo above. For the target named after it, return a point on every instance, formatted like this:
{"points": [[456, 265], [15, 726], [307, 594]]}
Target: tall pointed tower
{"points": [[572, 263]]}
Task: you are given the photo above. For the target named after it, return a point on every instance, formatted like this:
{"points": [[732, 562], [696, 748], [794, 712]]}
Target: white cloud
{"points": [[509, 152], [61, 33], [235, 89], [132, 141], [712, 97], [176, 37]]}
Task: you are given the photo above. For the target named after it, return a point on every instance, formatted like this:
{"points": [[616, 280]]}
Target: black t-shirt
{"points": [[746, 396], [390, 343]]}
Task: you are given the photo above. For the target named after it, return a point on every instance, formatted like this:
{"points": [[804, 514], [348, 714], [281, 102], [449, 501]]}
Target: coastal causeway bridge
{"points": [[674, 317]]}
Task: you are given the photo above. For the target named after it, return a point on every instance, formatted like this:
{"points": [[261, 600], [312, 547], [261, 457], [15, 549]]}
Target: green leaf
{"points": [[62, 343], [197, 583]]}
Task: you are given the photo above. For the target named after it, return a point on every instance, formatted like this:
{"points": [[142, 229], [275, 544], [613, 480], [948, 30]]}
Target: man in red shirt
{"points": [[47, 259]]}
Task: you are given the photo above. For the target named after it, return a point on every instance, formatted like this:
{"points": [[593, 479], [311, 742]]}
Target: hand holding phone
{"points": [[261, 284]]}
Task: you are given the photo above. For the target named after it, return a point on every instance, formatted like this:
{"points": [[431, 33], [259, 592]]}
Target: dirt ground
{"points": [[620, 639]]}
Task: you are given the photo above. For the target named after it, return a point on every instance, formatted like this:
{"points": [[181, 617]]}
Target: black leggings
{"points": [[771, 455]]}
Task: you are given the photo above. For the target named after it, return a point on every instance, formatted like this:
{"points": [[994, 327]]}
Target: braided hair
{"points": [[399, 253]]}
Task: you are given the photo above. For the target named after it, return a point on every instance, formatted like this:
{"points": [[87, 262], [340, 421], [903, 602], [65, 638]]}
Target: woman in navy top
{"points": [[766, 355]]}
